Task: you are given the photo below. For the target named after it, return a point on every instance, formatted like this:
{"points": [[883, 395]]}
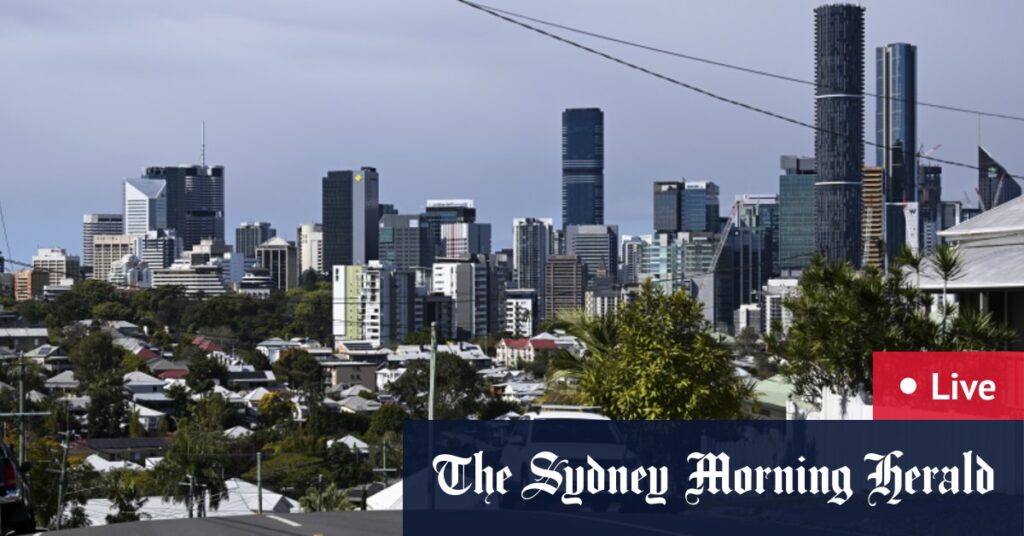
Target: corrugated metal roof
{"points": [[990, 266], [1007, 218]]}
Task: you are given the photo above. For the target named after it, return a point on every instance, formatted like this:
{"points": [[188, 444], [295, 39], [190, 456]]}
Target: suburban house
{"points": [[23, 339], [991, 246], [63, 382], [346, 373]]}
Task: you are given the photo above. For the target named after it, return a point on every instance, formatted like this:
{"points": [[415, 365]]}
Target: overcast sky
{"points": [[443, 100]]}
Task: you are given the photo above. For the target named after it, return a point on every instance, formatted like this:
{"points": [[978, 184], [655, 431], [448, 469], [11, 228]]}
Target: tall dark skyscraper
{"points": [[350, 217], [796, 213], [839, 119], [668, 206], [700, 207], [249, 236], [582, 166], [896, 119], [995, 185], [195, 201]]}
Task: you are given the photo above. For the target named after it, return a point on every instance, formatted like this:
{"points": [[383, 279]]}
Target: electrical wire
{"points": [[735, 67], [700, 90]]}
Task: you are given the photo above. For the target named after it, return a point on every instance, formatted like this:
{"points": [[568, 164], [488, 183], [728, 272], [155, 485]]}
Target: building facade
{"points": [[896, 120], [98, 224], [797, 218], [310, 241], [281, 259], [929, 199], [565, 285], [839, 134], [249, 235], [406, 241], [532, 244], [109, 248], [145, 205], [362, 301], [668, 206], [995, 185], [521, 313], [195, 201], [56, 264], [597, 246], [350, 217], [582, 166], [700, 207], [874, 216]]}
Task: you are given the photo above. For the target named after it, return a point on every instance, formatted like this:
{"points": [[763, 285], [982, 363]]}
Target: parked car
{"points": [[16, 512]]}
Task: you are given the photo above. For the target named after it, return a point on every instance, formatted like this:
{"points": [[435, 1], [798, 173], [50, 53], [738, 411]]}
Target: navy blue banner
{"points": [[554, 477]]}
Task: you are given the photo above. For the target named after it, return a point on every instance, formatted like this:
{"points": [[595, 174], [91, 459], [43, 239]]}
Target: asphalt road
{"points": [[326, 524]]}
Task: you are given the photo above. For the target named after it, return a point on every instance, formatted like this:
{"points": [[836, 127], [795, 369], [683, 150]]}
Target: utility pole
{"points": [[21, 409], [188, 496], [320, 493], [259, 483], [433, 370], [63, 466]]}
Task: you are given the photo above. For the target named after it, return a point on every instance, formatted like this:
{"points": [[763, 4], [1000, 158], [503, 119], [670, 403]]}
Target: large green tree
{"points": [[655, 358], [458, 388]]}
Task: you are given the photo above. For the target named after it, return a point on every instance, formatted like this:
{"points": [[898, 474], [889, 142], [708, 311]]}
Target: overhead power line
{"points": [[700, 90], [733, 66]]}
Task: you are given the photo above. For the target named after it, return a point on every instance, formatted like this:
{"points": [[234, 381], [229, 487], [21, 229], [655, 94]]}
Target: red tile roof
{"points": [[173, 374], [514, 343], [543, 344]]}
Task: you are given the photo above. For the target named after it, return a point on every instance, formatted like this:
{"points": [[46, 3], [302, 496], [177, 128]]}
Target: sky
{"points": [[446, 102]]}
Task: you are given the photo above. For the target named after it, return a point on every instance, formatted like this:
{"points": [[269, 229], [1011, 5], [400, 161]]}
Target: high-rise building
{"points": [[145, 206], [462, 240], [28, 284], [995, 185], [532, 244], [668, 206], [753, 244], [158, 249], [281, 259], [362, 303], [309, 238], [774, 313], [839, 134], [582, 166], [896, 120], [98, 224], [195, 201], [874, 216], [109, 248], [350, 217], [700, 207], [249, 235], [929, 198], [565, 286], [467, 282], [56, 264], [597, 246], [405, 241], [632, 259], [796, 213], [521, 314], [130, 272], [196, 279]]}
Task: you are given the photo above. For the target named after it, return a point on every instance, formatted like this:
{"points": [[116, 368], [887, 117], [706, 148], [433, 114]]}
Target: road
{"points": [[327, 524]]}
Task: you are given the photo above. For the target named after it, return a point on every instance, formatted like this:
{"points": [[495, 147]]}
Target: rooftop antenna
{"points": [[202, 150]]}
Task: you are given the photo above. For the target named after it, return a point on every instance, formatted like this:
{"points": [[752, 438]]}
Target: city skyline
{"points": [[642, 141]]}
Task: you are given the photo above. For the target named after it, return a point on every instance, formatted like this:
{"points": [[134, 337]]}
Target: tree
{"points": [[308, 279], [275, 408], [300, 370], [125, 498], [458, 387], [841, 317], [95, 358], [388, 418], [947, 263], [111, 311], [196, 455], [108, 407], [496, 408], [331, 499], [204, 372], [420, 337], [313, 314], [656, 358]]}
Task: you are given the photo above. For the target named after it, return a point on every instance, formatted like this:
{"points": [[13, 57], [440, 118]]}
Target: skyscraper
{"points": [[532, 244], [839, 120], [250, 235], [796, 213], [566, 285], [597, 246], [56, 264], [350, 217], [582, 166], [896, 119], [98, 224], [405, 241], [158, 249], [109, 248], [995, 185], [145, 206], [668, 206], [874, 216], [754, 245], [195, 201], [700, 207], [929, 198], [362, 303]]}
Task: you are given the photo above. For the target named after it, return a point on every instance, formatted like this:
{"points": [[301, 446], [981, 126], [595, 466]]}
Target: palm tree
{"points": [[911, 259], [947, 263]]}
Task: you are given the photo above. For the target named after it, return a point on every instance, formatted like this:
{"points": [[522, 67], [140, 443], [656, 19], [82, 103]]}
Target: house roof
{"points": [[64, 378], [236, 432], [359, 404], [45, 350], [984, 267], [174, 374], [352, 442], [514, 343], [141, 378], [23, 333], [1007, 218]]}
